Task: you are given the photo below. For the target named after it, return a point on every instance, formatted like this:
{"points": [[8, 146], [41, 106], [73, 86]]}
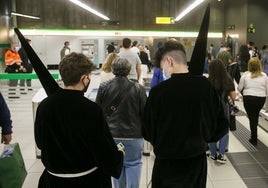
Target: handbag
{"points": [[12, 167], [232, 123], [233, 111]]}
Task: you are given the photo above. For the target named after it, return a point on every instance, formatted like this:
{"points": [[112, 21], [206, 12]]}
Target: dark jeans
{"points": [[253, 106], [13, 83], [180, 173], [28, 82]]}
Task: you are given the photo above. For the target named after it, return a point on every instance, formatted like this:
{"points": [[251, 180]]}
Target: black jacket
{"points": [[181, 115], [234, 70], [25, 60], [126, 121], [144, 57]]}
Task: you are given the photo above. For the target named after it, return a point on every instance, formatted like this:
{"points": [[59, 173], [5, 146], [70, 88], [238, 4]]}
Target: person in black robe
{"points": [[77, 147], [181, 115]]}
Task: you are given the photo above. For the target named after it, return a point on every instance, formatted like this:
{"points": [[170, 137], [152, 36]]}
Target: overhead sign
{"points": [[165, 20], [251, 28]]}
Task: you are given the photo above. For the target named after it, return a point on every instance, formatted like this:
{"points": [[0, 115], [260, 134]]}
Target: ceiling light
{"points": [[24, 15], [114, 33], [88, 8], [188, 9]]}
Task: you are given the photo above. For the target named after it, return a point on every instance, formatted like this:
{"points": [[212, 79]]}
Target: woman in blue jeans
{"points": [[223, 83]]}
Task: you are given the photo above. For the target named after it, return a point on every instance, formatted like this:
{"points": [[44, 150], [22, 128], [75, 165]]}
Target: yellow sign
{"points": [[165, 20]]}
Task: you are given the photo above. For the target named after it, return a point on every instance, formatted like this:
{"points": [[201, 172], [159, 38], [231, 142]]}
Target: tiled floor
{"points": [[240, 161]]}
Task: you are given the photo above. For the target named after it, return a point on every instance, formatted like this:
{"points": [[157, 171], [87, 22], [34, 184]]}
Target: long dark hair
{"points": [[244, 53], [218, 75]]}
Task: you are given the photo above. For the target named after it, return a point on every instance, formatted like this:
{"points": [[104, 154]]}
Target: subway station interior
{"points": [[49, 23]]}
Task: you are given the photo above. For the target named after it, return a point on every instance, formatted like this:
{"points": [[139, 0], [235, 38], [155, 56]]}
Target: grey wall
{"points": [[257, 15], [235, 14], [241, 13], [132, 14]]}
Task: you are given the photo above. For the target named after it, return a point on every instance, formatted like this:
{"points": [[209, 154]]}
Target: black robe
{"points": [[182, 114], [73, 136]]}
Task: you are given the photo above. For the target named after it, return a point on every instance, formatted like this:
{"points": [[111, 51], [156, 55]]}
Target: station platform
{"points": [[247, 165]]}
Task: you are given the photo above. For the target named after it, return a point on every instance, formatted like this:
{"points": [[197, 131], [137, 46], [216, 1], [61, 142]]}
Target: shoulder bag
{"points": [[120, 97]]}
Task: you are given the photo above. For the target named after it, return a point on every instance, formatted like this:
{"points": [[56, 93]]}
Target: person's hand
{"points": [[6, 139], [22, 68], [121, 148]]}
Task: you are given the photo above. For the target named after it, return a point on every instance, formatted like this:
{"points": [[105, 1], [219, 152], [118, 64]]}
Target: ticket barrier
{"points": [[38, 97]]}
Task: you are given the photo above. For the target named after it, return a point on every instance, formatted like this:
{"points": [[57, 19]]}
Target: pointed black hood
{"points": [[196, 65], [46, 79]]}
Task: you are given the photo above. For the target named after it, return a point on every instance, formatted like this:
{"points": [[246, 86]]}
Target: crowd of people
{"points": [[85, 143], [249, 72]]}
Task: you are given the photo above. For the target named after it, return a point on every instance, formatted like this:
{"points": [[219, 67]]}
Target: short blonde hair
{"points": [[142, 47], [254, 66], [106, 67]]}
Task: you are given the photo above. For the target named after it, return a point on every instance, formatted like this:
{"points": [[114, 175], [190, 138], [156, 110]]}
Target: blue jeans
{"points": [[131, 171], [222, 145]]}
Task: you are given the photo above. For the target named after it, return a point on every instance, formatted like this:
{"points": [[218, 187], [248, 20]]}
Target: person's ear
{"points": [[170, 61], [83, 78]]}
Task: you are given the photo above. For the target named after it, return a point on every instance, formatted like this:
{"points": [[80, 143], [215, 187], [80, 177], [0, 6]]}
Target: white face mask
{"points": [[17, 48]]}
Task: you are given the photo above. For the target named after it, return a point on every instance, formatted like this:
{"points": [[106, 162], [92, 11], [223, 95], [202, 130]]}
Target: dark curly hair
{"points": [[73, 66]]}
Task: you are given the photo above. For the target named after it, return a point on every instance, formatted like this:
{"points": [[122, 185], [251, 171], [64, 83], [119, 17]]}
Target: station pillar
{"points": [[5, 30]]}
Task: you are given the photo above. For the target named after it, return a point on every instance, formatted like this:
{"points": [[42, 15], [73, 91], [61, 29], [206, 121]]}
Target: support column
{"points": [[5, 30]]}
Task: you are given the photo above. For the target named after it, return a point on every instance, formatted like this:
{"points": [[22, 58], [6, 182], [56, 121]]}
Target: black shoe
{"points": [[13, 97], [23, 92], [145, 154], [253, 142]]}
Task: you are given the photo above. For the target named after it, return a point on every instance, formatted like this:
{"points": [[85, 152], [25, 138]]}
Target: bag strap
{"points": [[115, 103]]}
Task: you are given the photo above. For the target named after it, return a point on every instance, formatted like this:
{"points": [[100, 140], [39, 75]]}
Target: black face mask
{"points": [[86, 86]]}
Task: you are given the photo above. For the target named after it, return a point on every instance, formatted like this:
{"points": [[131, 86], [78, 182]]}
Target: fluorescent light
{"points": [[88, 8], [114, 33], [234, 35], [188, 9], [24, 15]]}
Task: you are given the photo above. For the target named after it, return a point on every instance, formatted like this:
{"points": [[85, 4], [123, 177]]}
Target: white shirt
{"points": [[135, 50], [253, 86], [134, 59]]}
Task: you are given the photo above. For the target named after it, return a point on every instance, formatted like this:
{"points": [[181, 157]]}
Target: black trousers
{"points": [[253, 106], [180, 173]]}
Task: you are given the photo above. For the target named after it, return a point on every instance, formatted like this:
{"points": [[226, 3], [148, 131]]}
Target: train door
{"points": [[89, 48]]}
